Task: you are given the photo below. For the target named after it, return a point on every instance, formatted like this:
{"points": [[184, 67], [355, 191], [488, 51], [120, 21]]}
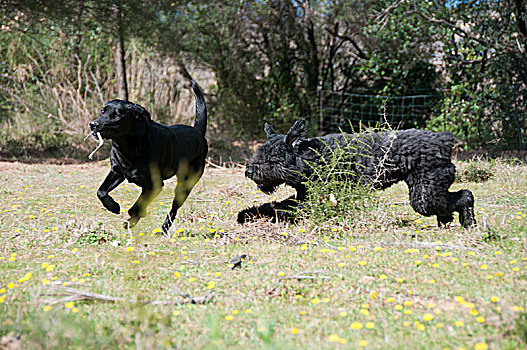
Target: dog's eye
{"points": [[116, 116]]}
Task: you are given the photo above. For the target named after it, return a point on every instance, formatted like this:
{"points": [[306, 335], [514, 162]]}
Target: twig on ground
{"points": [[79, 295], [307, 275]]}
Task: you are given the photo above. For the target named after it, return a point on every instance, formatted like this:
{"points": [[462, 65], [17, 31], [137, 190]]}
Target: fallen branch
{"points": [[79, 295], [307, 275]]}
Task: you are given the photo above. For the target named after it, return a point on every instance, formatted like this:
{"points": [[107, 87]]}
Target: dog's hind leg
{"points": [[185, 184], [138, 210], [113, 179]]}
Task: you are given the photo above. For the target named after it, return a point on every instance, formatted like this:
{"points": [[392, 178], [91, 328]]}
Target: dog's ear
{"points": [[140, 112], [297, 131], [269, 131]]}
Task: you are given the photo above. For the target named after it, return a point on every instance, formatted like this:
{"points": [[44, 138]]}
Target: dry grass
{"points": [[71, 276]]}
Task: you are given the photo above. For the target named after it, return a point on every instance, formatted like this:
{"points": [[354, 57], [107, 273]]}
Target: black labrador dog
{"points": [[146, 153]]}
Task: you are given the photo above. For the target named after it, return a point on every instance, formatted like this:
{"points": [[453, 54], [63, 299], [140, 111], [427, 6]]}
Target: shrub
{"points": [[334, 197], [476, 172]]}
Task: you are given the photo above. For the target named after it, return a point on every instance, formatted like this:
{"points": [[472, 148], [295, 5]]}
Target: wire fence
{"points": [[348, 112]]}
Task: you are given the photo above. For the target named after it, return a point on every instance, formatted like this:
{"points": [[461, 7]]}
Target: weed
{"points": [[334, 191], [477, 172]]}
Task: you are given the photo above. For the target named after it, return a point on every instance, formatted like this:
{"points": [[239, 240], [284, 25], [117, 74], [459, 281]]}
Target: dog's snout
{"points": [[249, 172], [93, 125]]}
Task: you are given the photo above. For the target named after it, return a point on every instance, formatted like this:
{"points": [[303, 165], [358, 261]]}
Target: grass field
{"points": [[72, 277]]}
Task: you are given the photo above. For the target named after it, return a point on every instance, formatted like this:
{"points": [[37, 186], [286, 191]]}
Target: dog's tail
{"points": [[200, 123]]}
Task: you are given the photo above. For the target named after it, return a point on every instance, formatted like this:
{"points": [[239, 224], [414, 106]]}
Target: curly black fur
{"points": [[420, 158]]}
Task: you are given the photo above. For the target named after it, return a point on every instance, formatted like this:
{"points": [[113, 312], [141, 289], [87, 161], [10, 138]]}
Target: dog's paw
{"points": [[246, 215], [131, 222], [166, 226]]}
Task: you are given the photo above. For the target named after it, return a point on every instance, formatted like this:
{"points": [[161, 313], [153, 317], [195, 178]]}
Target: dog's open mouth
{"points": [[98, 137]]}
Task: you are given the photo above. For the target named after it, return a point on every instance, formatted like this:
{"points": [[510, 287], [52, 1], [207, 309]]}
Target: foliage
{"points": [[272, 59], [333, 193], [477, 171]]}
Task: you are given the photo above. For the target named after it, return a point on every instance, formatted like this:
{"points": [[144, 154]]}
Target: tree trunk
{"points": [[119, 53]]}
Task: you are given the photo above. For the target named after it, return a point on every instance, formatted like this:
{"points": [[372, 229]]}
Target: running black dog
{"points": [[146, 153], [420, 158]]}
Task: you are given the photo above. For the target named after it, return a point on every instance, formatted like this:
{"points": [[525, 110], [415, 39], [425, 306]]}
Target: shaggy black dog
{"points": [[420, 158], [146, 153]]}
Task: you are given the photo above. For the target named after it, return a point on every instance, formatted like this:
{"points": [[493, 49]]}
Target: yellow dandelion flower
{"points": [[459, 299], [390, 300], [176, 313], [484, 267], [494, 299], [398, 307], [334, 338], [69, 304], [343, 314], [364, 312], [74, 250], [47, 308], [229, 317], [294, 330], [421, 327], [210, 285], [481, 346], [356, 325], [480, 319], [363, 343], [370, 325], [428, 317], [315, 301], [362, 263], [248, 311], [459, 323], [11, 285]]}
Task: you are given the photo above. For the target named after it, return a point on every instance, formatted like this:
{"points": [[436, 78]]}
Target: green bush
{"points": [[333, 197], [476, 171]]}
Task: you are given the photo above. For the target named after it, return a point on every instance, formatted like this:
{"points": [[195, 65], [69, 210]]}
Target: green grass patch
{"points": [[383, 278]]}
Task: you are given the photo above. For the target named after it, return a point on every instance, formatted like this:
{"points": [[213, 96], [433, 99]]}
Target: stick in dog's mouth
{"points": [[99, 145]]}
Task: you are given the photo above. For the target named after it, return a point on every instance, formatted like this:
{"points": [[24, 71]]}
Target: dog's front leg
{"points": [[113, 179], [138, 210]]}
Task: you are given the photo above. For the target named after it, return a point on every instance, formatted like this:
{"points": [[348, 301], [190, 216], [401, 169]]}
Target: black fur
{"points": [[146, 153], [420, 158]]}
